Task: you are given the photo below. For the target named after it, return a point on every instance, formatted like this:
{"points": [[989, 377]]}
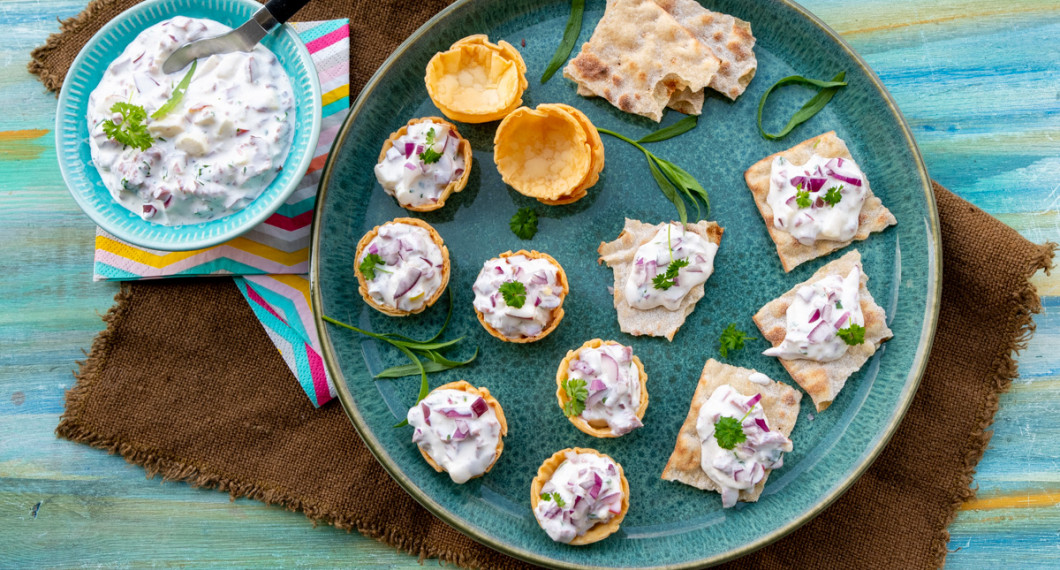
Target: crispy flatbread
{"points": [[874, 216], [780, 403], [618, 255], [727, 37], [638, 56], [683, 100], [823, 380]]}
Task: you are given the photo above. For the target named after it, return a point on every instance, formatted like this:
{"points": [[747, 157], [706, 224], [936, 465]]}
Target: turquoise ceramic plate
{"points": [[71, 131], [668, 524]]}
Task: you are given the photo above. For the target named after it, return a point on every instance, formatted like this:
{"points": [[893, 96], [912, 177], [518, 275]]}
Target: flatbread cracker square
{"points": [[874, 216], [619, 254], [780, 403], [823, 380]]}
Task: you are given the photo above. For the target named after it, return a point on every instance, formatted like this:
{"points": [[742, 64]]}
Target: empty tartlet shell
{"points": [[601, 429], [363, 284], [601, 530], [557, 313], [528, 133], [501, 63], [494, 405], [455, 185]]}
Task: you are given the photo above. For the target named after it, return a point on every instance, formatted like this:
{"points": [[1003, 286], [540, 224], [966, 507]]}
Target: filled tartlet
{"points": [[553, 153], [579, 496], [476, 81], [402, 267], [423, 163], [459, 430], [602, 388], [519, 296]]}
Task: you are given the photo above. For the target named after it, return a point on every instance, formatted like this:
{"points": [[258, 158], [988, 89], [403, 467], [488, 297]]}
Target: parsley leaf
{"points": [[839, 304], [132, 131], [732, 339], [576, 395], [368, 264], [664, 281], [832, 197], [554, 497], [177, 95], [729, 432], [514, 294], [802, 198], [524, 223], [852, 335], [430, 156]]}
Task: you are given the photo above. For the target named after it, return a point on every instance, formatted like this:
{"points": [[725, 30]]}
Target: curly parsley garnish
{"points": [[664, 281], [369, 263], [524, 223], [852, 335], [576, 395], [832, 197], [430, 156], [514, 294], [732, 339], [802, 197], [554, 497], [729, 431], [131, 131]]}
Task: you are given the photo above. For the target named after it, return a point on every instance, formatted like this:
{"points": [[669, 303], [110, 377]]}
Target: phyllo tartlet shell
{"points": [[597, 428], [494, 405], [601, 530], [557, 313], [490, 67], [363, 284], [454, 185]]}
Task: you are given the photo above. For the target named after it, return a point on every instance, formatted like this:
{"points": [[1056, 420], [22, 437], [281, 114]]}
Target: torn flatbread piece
{"points": [[823, 380], [729, 38], [779, 402], [638, 56], [683, 100], [642, 255], [874, 216]]}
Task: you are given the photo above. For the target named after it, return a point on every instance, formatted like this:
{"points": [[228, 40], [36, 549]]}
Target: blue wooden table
{"points": [[978, 81]]}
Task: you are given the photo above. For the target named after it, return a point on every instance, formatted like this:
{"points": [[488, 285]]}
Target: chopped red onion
{"points": [[597, 483], [848, 179], [754, 400], [596, 385], [419, 149], [539, 278], [816, 315], [411, 166], [499, 270], [608, 365], [762, 424], [479, 406], [842, 319], [408, 282], [458, 172], [426, 413], [451, 413], [820, 333], [149, 210], [408, 149]]}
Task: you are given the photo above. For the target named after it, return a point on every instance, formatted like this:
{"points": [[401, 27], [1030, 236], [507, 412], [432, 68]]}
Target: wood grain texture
{"points": [[976, 80]]}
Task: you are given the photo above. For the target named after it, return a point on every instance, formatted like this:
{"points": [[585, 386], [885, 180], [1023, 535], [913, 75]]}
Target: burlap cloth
{"points": [[160, 386]]}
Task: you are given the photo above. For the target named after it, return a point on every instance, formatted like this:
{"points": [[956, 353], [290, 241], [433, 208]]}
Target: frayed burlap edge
{"points": [[1025, 303], [38, 57], [71, 427]]}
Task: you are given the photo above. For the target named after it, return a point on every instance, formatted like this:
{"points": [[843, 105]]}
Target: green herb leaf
{"points": [[570, 37], [524, 223], [802, 198], [429, 155], [810, 108], [435, 363], [832, 197], [852, 335], [132, 131], [576, 395], [177, 95], [679, 128], [732, 339], [368, 265], [665, 280], [514, 294], [729, 432], [668, 189]]}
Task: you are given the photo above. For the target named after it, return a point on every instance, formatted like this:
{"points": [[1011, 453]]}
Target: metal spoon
{"points": [[243, 38]]}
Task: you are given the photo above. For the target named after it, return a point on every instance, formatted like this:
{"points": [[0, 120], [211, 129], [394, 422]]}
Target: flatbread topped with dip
{"points": [[823, 380], [779, 402], [872, 216], [644, 309]]}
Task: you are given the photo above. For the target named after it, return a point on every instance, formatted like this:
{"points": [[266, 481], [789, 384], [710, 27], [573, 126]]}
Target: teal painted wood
{"points": [[975, 79]]}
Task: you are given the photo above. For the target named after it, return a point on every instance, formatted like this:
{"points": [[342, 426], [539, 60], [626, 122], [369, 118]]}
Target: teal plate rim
{"points": [[71, 139], [912, 378]]}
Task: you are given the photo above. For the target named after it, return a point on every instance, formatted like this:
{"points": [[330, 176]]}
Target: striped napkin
{"points": [[272, 258]]}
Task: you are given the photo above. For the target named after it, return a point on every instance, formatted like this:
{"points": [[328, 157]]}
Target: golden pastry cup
{"points": [[599, 531], [454, 185], [597, 428], [363, 283], [476, 81], [494, 405], [557, 313], [552, 153]]}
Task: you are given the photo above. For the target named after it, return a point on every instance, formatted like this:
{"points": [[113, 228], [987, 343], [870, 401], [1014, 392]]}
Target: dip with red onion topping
{"points": [[412, 270], [816, 315], [420, 164], [671, 243], [458, 430], [544, 292], [817, 216], [743, 466], [585, 490], [612, 381]]}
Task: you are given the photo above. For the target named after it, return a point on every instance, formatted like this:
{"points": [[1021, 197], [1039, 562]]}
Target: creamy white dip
{"points": [[816, 219], [412, 272], [744, 465], [590, 493], [415, 178], [815, 316], [212, 154], [612, 381], [539, 277], [670, 243], [458, 430]]}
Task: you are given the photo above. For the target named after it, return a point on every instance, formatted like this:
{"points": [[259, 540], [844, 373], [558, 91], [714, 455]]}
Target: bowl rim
{"points": [[176, 242]]}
